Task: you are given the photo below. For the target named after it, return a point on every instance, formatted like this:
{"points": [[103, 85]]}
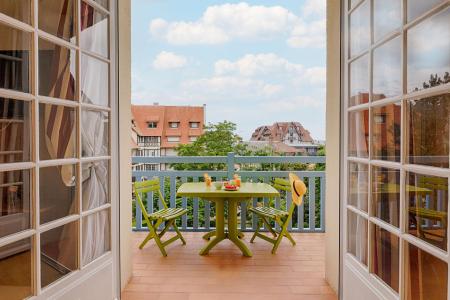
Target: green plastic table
{"points": [[246, 192]]}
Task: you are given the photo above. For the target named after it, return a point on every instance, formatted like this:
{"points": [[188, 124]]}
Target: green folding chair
{"points": [[282, 218], [154, 220]]}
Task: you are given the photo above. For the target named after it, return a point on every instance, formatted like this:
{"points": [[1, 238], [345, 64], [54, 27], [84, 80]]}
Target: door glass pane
{"points": [[387, 17], [94, 133], [385, 256], [59, 18], [360, 29], [94, 81], [428, 52], [427, 203], [387, 72], [426, 276], [18, 9], [386, 124], [57, 65], [357, 236], [95, 184], [428, 137], [358, 133], [59, 252], [417, 8], [57, 192], [15, 55], [358, 189], [15, 192], [103, 3], [94, 30], [15, 134], [96, 235], [57, 131], [15, 270], [359, 81], [386, 194]]}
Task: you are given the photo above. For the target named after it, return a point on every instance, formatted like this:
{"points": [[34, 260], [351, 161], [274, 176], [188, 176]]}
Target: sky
{"points": [[253, 63]]}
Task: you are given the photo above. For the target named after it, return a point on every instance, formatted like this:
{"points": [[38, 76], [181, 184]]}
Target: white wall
{"points": [[332, 144], [124, 64]]}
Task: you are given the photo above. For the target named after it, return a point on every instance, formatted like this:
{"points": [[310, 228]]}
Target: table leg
{"points": [[209, 235], [219, 233], [233, 233]]}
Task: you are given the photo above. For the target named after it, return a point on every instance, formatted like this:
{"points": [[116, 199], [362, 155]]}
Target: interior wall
{"points": [[332, 144], [124, 86]]}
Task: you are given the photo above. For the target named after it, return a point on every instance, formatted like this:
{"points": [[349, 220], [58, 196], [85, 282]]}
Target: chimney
{"points": [[155, 103]]}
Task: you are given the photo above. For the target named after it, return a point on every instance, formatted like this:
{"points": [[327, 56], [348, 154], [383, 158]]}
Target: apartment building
{"points": [[290, 138], [157, 130]]}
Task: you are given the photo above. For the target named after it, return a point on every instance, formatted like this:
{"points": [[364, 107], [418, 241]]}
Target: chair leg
{"points": [[160, 245], [179, 233], [257, 228], [148, 238], [280, 237], [288, 235], [269, 227]]}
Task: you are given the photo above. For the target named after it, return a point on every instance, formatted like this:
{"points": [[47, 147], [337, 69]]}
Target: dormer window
{"points": [[152, 124], [174, 124]]}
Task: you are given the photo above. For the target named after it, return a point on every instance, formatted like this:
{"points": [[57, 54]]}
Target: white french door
{"points": [[396, 112], [58, 150]]}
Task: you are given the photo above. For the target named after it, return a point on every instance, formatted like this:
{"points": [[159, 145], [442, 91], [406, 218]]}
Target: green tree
{"points": [[217, 140]]}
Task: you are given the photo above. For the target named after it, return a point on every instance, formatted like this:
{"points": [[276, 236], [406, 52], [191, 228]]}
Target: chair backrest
{"points": [[142, 187], [281, 184]]}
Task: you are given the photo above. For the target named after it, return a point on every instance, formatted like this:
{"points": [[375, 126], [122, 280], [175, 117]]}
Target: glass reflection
{"points": [[15, 193], [94, 81], [387, 17], [17, 9], [95, 184], [426, 276], [386, 194], [94, 133], [59, 251], [103, 3], [428, 123], [94, 30], [360, 29], [15, 53], [15, 132], [96, 236], [57, 192], [385, 256], [417, 8], [57, 131], [359, 81], [386, 124], [358, 180], [57, 73], [358, 134], [428, 52], [387, 72], [59, 18], [15, 270], [357, 236], [427, 200]]}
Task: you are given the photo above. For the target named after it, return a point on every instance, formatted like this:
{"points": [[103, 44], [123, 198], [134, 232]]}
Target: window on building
{"points": [[173, 139], [152, 124], [192, 138], [194, 124], [174, 124]]}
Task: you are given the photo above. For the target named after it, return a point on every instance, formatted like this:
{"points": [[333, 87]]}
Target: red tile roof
{"points": [[143, 114]]}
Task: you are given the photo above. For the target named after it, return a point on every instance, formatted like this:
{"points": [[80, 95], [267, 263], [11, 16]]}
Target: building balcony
{"points": [[294, 272]]}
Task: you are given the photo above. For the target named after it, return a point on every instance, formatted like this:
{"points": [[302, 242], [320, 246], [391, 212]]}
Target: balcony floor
{"points": [[293, 273]]}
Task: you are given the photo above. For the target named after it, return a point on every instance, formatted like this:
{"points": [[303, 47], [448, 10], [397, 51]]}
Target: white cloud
{"points": [[315, 8], [168, 61], [270, 66], [257, 64], [220, 24]]}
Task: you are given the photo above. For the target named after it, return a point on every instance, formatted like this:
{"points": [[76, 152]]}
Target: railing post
{"points": [[230, 165]]}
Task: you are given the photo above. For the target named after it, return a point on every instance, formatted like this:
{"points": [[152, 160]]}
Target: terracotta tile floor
{"points": [[293, 273]]}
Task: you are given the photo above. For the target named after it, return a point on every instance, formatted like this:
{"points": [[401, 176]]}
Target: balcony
{"points": [[293, 273]]}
